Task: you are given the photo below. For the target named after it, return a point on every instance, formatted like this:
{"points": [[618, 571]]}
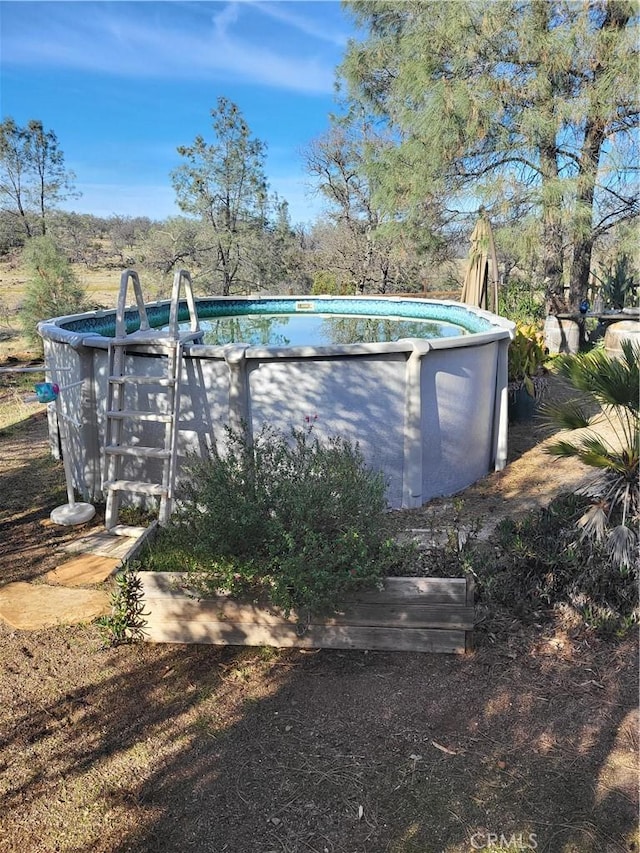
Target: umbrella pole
{"points": [[494, 266]]}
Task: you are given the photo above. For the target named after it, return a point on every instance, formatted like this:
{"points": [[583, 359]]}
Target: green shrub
{"points": [[527, 359], [326, 283], [539, 565], [286, 517], [518, 301], [52, 288]]}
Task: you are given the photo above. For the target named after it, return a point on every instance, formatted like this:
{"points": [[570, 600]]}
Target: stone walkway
{"points": [[68, 594]]}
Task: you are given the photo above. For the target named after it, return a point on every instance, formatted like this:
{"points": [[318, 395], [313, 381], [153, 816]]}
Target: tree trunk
{"points": [[25, 220], [583, 234], [551, 197], [43, 211], [617, 17], [552, 242], [580, 269]]}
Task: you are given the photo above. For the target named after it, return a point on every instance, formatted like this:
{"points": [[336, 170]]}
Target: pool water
{"points": [[319, 329]]}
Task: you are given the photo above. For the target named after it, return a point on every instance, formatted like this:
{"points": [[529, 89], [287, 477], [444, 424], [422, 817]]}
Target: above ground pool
{"points": [[420, 384]]}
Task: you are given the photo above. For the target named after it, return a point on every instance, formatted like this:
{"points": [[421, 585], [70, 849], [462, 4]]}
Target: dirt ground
{"points": [[531, 742]]}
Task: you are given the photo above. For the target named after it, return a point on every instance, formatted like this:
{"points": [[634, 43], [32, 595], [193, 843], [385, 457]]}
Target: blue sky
{"points": [[122, 84]]}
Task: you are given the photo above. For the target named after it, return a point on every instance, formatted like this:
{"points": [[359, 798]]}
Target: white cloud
{"points": [[157, 40], [317, 29], [225, 19]]}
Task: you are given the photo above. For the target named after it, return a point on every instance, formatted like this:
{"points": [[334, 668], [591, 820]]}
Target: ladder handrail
{"points": [[175, 303], [172, 436], [121, 326]]}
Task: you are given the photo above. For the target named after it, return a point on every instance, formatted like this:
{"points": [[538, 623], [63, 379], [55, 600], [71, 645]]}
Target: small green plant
{"points": [[287, 518], [126, 623], [614, 385], [527, 360]]}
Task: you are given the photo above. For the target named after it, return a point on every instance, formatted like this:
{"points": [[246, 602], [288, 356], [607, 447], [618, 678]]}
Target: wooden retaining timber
{"points": [[408, 614]]}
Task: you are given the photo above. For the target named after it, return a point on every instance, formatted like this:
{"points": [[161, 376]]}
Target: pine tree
{"points": [[33, 177], [529, 109], [52, 289], [224, 184]]}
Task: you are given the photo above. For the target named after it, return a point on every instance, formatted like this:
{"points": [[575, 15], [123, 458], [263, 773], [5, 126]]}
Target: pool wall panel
{"points": [[457, 395], [362, 398]]}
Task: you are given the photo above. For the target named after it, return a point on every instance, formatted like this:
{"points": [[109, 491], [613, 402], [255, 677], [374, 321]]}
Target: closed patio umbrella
{"points": [[481, 281]]}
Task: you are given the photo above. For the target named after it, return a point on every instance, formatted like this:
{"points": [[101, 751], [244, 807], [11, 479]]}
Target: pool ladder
{"points": [[119, 444]]}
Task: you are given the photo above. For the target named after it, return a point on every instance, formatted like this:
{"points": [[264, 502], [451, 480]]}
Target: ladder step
{"points": [[140, 416], [128, 530], [137, 451], [153, 337], [136, 486], [163, 382], [149, 337]]}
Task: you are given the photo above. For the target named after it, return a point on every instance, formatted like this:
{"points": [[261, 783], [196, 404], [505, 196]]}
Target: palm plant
{"points": [[614, 385]]}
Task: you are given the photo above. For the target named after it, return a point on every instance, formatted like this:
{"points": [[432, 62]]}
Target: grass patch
{"points": [[14, 389]]}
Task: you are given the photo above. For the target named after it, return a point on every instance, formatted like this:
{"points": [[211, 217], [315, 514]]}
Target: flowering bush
{"points": [[288, 518]]}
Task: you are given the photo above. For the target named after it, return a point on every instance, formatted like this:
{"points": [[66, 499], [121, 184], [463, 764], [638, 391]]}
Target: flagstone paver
{"points": [[84, 570], [29, 606], [61, 600]]}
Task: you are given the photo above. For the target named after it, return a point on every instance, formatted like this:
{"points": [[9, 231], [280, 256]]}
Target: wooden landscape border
{"points": [[407, 614]]}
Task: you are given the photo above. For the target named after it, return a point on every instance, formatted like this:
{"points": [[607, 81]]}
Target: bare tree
{"points": [[363, 246]]}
